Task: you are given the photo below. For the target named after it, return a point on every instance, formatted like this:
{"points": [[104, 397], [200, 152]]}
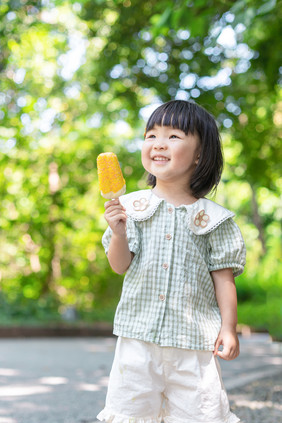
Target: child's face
{"points": [[170, 155]]}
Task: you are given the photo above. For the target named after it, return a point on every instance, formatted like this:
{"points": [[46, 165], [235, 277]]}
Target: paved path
{"points": [[64, 380]]}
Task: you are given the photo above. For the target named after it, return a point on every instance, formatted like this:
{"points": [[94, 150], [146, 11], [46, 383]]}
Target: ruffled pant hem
{"points": [[111, 417], [231, 418]]}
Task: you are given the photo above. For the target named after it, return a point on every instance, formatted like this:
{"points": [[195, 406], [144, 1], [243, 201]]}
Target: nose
{"points": [[160, 144]]}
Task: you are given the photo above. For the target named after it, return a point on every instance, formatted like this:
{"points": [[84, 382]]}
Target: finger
{"points": [[217, 345], [234, 351], [114, 210], [235, 354], [110, 203], [225, 354], [111, 214], [116, 218], [220, 354], [117, 207]]}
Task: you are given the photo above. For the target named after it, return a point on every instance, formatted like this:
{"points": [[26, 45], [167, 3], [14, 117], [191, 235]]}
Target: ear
{"points": [[197, 159], [198, 150]]}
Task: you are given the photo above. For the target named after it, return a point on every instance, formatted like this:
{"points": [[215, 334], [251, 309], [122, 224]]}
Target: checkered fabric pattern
{"points": [[168, 295]]}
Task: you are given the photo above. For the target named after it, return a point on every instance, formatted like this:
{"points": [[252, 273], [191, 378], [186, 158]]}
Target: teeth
{"points": [[163, 159]]}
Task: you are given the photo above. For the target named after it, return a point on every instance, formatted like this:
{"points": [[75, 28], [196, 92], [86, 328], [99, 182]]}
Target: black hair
{"points": [[192, 118]]}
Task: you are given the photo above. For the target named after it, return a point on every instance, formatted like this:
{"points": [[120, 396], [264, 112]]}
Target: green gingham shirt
{"points": [[168, 295]]}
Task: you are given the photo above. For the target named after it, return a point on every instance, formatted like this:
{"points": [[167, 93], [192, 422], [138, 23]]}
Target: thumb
{"points": [[217, 345], [225, 354]]}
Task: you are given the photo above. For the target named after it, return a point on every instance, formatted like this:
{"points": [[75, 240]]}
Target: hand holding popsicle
{"points": [[112, 185]]}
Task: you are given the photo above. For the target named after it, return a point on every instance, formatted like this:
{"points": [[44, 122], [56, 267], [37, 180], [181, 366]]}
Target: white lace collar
{"points": [[203, 216]]}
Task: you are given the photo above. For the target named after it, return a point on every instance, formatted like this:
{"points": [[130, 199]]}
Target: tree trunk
{"points": [[257, 220]]}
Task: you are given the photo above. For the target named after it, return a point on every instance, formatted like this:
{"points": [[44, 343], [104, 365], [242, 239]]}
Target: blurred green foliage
{"points": [[78, 78]]}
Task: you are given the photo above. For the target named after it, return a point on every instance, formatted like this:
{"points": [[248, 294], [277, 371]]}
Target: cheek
{"points": [[145, 155], [187, 155], [182, 155]]}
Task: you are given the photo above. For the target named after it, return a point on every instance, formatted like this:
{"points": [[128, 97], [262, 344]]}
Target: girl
{"points": [[180, 252]]}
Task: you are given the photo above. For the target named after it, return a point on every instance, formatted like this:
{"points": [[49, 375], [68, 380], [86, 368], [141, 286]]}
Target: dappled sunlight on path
{"points": [[53, 380], [260, 401], [64, 380]]}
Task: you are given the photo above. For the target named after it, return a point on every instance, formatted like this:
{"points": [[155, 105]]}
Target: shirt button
{"points": [[168, 236], [170, 210], [162, 297], [165, 266]]}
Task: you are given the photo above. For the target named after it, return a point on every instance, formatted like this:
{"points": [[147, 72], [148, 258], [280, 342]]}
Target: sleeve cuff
{"points": [[237, 269]]}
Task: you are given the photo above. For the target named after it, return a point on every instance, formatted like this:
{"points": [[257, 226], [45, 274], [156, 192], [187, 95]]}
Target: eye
{"points": [[150, 136], [174, 136]]}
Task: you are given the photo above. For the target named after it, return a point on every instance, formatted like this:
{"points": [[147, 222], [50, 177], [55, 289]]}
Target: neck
{"points": [[175, 195]]}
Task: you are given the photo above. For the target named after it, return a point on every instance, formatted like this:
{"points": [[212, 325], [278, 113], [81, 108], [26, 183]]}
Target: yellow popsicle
{"points": [[111, 181]]}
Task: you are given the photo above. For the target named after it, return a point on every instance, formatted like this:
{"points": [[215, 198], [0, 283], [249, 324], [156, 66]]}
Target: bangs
{"points": [[178, 115]]}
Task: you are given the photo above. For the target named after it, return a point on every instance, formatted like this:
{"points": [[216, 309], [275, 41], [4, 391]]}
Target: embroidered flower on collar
{"points": [[141, 204], [201, 219]]}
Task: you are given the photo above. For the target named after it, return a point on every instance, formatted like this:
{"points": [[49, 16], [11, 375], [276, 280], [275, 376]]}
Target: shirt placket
{"points": [[167, 245]]}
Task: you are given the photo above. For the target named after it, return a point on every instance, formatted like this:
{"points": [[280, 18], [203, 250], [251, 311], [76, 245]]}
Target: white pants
{"points": [[149, 383]]}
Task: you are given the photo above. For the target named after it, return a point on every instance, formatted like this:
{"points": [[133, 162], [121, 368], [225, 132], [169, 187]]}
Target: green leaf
{"points": [[164, 18]]}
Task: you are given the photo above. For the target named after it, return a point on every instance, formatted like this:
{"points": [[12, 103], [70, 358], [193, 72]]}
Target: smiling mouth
{"points": [[160, 159]]}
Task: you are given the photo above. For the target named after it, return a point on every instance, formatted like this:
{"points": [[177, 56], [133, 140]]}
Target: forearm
{"points": [[225, 291], [119, 255], [226, 296]]}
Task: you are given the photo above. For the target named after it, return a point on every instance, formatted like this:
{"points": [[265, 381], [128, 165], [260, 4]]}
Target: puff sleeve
{"points": [[133, 236], [227, 248]]}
